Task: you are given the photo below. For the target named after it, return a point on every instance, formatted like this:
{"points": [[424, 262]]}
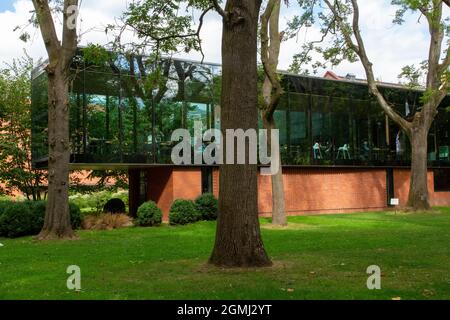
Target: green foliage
{"points": [[16, 171], [96, 54], [19, 220], [27, 218], [183, 212], [148, 215], [75, 216], [412, 76], [207, 206], [162, 26], [95, 201]]}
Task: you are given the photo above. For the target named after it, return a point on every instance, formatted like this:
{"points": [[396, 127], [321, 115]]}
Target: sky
{"points": [[389, 47]]}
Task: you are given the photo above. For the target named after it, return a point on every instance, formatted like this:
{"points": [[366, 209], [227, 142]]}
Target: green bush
{"points": [[3, 205], [27, 218], [75, 216], [183, 212], [148, 215], [18, 220], [208, 206]]}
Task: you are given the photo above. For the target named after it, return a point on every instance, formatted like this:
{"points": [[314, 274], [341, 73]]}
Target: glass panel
{"points": [[39, 114], [298, 149]]}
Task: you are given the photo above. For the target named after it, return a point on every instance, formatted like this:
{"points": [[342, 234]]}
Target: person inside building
{"points": [[317, 151]]}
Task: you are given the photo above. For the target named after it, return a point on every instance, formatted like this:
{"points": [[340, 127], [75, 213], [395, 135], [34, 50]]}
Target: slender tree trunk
{"points": [[238, 240], [278, 204], [272, 91], [57, 222], [418, 192]]}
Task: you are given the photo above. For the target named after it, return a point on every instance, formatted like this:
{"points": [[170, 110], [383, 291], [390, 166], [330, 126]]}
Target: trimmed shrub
{"points": [[183, 212], [148, 215], [208, 206], [106, 222], [18, 220], [115, 205], [27, 218]]}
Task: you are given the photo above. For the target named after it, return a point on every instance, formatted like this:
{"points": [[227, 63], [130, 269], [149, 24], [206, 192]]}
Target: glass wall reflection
{"points": [[125, 110]]}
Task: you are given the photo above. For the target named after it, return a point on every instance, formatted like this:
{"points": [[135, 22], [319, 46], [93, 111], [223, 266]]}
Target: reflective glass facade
{"points": [[124, 113]]}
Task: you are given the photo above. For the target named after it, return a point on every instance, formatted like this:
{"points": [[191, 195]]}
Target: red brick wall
{"points": [[401, 188], [187, 183], [308, 190], [166, 184], [327, 190], [216, 182], [324, 190], [160, 188]]}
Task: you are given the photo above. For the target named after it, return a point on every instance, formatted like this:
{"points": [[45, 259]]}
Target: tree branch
{"points": [[70, 40], [360, 50], [48, 31], [272, 90], [219, 9]]}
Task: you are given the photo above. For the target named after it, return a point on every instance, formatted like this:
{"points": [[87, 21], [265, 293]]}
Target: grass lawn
{"points": [[316, 257]]}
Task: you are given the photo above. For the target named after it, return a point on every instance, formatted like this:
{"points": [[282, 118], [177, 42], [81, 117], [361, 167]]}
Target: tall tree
{"points": [[272, 91], [238, 240], [60, 55], [345, 18], [16, 170]]}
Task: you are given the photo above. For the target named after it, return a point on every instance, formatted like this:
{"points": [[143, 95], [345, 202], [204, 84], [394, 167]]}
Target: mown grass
{"points": [[316, 257]]}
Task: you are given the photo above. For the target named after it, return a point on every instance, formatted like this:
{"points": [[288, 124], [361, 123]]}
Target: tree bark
{"points": [[418, 190], [57, 218], [278, 205], [272, 91], [238, 240]]}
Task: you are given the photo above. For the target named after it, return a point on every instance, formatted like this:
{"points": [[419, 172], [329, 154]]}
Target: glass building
{"points": [[124, 111]]}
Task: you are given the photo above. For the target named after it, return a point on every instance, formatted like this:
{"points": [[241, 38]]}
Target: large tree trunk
{"points": [[57, 220], [418, 192], [60, 54], [238, 240]]}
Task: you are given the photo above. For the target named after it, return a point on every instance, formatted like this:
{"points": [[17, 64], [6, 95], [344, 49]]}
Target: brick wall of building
{"points": [[327, 190], [166, 184], [308, 190], [401, 188], [160, 188], [331, 190]]}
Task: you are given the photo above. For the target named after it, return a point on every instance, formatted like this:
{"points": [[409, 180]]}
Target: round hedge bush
{"points": [[208, 206], [114, 206], [148, 215], [27, 218], [183, 212]]}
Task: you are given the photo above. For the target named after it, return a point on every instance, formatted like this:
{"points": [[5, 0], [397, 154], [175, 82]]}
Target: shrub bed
{"points": [[183, 212]]}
